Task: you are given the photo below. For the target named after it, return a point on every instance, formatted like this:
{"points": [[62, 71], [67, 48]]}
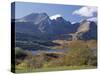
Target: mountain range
{"points": [[42, 26]]}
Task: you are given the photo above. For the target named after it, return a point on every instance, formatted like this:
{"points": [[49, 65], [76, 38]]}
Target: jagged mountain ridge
{"points": [[40, 24]]}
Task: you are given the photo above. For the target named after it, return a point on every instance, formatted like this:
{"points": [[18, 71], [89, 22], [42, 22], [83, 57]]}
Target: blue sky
{"points": [[71, 13]]}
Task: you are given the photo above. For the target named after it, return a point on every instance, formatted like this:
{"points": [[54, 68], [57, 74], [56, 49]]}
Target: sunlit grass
{"points": [[55, 69]]}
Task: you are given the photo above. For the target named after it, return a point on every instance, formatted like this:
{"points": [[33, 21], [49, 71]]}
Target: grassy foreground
{"points": [[80, 53], [55, 69]]}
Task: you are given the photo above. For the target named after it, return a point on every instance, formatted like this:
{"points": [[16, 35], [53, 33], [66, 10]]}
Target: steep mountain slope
{"points": [[86, 31], [84, 27], [40, 22]]}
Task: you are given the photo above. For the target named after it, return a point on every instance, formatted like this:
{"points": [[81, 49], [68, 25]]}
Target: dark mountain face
{"points": [[26, 27], [91, 33], [75, 27], [40, 25], [61, 26]]}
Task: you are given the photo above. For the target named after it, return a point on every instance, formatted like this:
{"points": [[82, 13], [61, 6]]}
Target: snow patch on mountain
{"points": [[55, 16]]}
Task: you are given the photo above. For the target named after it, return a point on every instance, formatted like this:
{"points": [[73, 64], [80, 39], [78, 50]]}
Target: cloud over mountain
{"points": [[85, 11]]}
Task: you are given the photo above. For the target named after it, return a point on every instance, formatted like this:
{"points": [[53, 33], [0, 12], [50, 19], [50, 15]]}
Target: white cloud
{"points": [[86, 11], [55, 16], [92, 19]]}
